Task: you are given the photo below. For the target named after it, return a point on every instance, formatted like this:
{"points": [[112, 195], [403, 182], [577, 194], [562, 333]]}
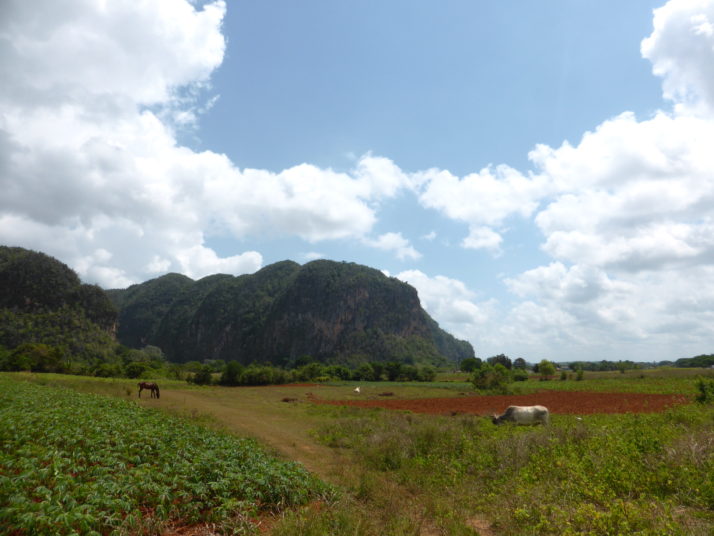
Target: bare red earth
{"points": [[562, 402]]}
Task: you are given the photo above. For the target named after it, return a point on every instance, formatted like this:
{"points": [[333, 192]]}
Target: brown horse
{"points": [[151, 386]]}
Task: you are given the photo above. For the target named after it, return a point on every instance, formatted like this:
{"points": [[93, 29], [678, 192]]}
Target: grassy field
{"points": [[401, 473]]}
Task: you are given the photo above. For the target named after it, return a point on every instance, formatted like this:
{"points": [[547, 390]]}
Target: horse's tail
{"points": [[158, 393]]}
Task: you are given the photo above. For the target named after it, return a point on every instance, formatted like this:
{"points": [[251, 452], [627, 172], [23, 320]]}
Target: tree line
{"points": [[150, 362], [233, 373]]}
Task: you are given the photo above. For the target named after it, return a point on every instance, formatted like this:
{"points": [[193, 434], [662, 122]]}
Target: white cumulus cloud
{"points": [[451, 303], [92, 95], [394, 242]]}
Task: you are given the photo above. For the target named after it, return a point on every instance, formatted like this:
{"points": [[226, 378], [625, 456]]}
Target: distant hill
{"points": [[333, 311], [43, 301]]}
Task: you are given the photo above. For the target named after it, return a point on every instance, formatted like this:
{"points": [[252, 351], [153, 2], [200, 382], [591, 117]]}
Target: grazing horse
{"points": [[151, 386]]}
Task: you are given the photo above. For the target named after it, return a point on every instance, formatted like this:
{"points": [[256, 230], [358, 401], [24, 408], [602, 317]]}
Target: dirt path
{"points": [[283, 426]]}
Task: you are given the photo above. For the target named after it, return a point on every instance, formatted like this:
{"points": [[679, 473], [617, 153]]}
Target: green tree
{"points": [[546, 369], [378, 370], [494, 378], [108, 370], [365, 372], [310, 372], [203, 376], [519, 363], [135, 369], [520, 375], [470, 364], [393, 370], [339, 372], [36, 357], [231, 373], [706, 391], [408, 373], [579, 373], [427, 374], [502, 359]]}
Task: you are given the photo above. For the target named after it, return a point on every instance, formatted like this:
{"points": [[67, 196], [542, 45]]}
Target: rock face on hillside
{"points": [[333, 311]]}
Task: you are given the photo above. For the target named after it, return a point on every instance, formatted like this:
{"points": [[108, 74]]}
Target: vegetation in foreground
{"points": [[595, 475], [405, 474], [103, 465], [602, 475]]}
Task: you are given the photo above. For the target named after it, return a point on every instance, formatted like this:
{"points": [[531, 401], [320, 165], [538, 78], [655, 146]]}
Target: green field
{"points": [[79, 463], [396, 473]]}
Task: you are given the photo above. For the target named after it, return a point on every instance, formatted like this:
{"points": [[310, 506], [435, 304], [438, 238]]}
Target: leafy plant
{"points": [[706, 390], [106, 465]]}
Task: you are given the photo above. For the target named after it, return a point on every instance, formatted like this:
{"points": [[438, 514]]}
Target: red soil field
{"points": [[558, 402]]}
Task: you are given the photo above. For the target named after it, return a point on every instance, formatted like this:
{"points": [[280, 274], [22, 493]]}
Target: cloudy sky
{"points": [[542, 171]]}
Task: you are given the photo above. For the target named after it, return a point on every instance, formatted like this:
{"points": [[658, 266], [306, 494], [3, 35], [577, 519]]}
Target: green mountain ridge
{"points": [[336, 312], [42, 301]]}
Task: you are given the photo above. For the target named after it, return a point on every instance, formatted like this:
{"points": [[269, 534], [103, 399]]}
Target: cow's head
{"points": [[495, 419]]}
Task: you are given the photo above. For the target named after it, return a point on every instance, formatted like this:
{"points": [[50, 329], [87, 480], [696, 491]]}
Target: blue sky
{"points": [[459, 87], [539, 170]]}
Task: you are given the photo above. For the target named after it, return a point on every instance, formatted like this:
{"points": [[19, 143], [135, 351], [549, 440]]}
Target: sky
{"points": [[541, 171]]}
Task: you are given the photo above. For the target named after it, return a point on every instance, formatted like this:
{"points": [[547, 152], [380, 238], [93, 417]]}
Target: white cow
{"points": [[357, 390], [524, 415]]}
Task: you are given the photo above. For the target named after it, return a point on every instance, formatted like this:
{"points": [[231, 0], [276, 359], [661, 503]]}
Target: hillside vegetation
{"points": [[45, 309], [336, 312]]}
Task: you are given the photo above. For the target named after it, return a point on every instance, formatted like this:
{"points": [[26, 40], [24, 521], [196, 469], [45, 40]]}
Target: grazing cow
{"points": [[524, 415], [357, 390]]}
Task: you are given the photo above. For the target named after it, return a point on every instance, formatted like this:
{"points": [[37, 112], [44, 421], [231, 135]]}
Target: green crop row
{"points": [[78, 463]]}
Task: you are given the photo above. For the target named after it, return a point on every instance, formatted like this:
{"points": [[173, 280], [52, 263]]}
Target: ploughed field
{"points": [[558, 402]]}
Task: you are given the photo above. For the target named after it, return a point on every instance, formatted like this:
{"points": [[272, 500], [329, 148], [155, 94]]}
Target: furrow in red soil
{"points": [[558, 402]]}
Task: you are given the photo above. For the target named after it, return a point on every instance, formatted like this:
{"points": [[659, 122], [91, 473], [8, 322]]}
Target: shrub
{"points": [[546, 369], [492, 378], [108, 370], [135, 369], [364, 372], [706, 391], [231, 374], [470, 364], [339, 372], [36, 357], [520, 375], [202, 376], [579, 374], [310, 372], [427, 374]]}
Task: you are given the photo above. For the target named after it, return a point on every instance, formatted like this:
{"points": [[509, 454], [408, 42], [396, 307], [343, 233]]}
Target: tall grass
{"points": [[609, 474]]}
